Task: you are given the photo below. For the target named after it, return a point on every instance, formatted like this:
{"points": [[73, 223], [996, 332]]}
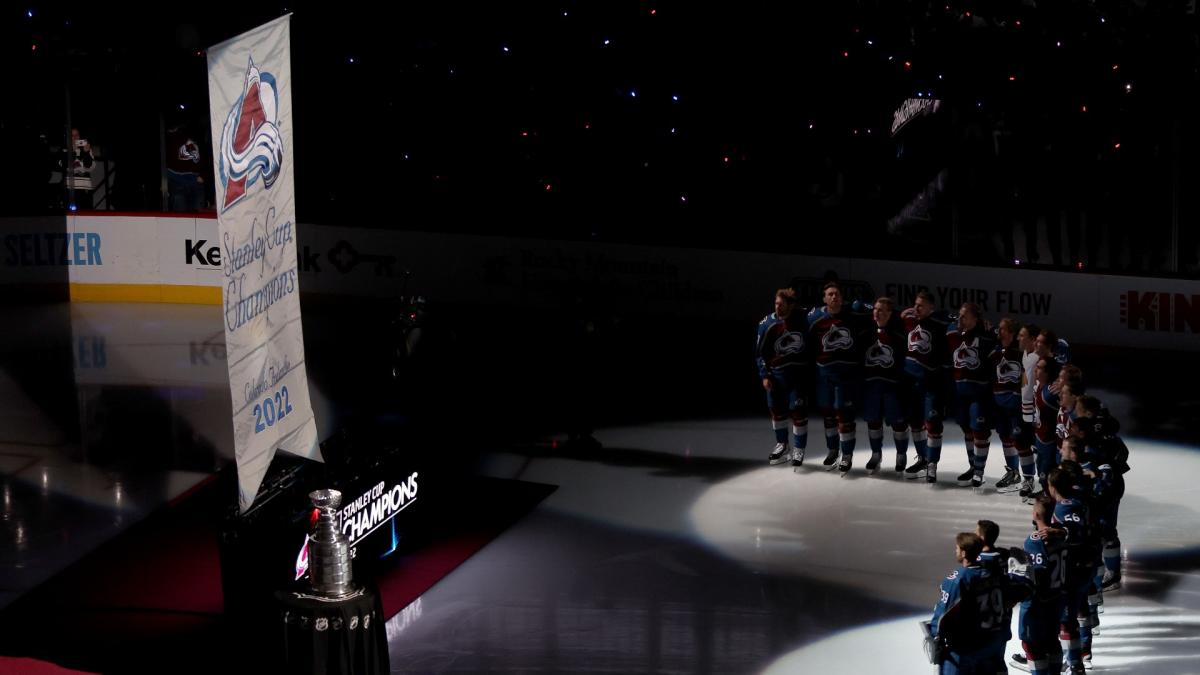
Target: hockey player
{"points": [[834, 332], [1071, 515], [1006, 361], [989, 532], [970, 344], [973, 612], [1038, 622], [1026, 338], [1046, 404], [883, 366], [995, 559], [1084, 476], [785, 367], [1070, 388], [923, 383], [1098, 431]]}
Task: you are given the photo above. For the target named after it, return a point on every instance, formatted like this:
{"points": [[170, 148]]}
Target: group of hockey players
{"points": [[1061, 449], [1058, 577]]}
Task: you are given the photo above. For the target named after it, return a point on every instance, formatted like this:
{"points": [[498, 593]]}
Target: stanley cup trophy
{"points": [[329, 552]]}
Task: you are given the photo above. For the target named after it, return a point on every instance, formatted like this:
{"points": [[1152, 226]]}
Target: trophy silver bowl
{"points": [[328, 550]]}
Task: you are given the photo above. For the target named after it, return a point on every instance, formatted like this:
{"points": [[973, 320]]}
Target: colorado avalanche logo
{"points": [[251, 143], [920, 341], [966, 357], [880, 355], [1062, 428], [1008, 372], [789, 343], [837, 338]]}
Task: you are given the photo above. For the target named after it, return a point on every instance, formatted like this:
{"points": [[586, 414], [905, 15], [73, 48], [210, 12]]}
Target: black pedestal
{"points": [[330, 637]]}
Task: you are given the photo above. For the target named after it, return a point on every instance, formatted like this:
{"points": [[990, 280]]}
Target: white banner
{"points": [[250, 103]]}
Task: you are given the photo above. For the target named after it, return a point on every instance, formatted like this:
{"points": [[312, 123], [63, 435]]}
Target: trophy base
{"points": [[354, 592]]}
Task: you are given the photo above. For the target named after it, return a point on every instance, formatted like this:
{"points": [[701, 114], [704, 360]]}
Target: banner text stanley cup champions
{"points": [[250, 103]]}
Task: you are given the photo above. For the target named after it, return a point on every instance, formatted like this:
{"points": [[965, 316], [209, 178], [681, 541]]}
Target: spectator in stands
{"points": [[74, 162], [82, 158], [185, 180]]}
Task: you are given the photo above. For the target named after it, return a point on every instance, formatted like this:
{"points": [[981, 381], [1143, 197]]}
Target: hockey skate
{"points": [[1020, 662], [1034, 496], [1112, 582], [917, 470], [873, 464], [1011, 482], [779, 454], [831, 460], [1026, 487], [797, 459]]}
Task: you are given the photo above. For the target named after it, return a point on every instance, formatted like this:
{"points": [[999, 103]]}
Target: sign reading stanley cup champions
{"points": [[250, 103]]}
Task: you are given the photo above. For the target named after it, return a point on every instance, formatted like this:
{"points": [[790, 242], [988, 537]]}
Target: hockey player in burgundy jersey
{"points": [[1045, 397], [1007, 363], [883, 368], [970, 344], [924, 382], [1070, 388], [835, 333], [785, 367]]}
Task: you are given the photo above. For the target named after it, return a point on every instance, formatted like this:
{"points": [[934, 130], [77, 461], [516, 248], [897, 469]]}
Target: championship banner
{"points": [[250, 103]]}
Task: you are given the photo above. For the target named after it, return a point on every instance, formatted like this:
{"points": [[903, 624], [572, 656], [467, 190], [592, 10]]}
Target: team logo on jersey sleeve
{"points": [[1008, 372], [251, 142], [1062, 428], [966, 356], [837, 338], [920, 341], [789, 343], [880, 355]]}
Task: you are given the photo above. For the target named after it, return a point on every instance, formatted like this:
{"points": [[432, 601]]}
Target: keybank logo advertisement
{"points": [[200, 253], [376, 506], [50, 249]]}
